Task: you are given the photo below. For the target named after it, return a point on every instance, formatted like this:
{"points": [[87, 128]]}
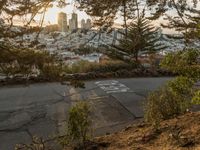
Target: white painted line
{"points": [[113, 86]]}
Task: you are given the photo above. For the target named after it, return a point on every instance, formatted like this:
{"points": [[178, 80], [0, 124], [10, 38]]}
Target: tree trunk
{"points": [[125, 17]]}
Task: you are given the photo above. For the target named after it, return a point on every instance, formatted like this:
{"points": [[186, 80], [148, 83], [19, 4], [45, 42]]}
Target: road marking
{"points": [[112, 86]]}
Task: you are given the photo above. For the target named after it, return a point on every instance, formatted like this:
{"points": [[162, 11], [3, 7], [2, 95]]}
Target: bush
{"points": [[77, 84], [169, 101], [181, 86], [25, 62], [51, 72], [196, 98], [185, 63], [79, 125], [176, 96], [36, 144], [109, 66]]}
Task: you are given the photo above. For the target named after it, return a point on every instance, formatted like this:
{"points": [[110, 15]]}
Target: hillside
{"points": [[65, 41], [179, 133]]}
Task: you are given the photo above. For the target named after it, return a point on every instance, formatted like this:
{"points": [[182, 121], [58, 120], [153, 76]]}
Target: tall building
{"points": [[62, 22], [83, 24], [86, 25], [73, 22], [75, 18]]}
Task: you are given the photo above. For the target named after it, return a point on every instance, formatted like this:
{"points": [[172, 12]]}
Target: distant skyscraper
{"points": [[86, 25], [62, 22], [75, 18], [83, 24], [73, 22]]}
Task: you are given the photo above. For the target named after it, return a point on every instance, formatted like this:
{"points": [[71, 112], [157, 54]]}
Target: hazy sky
{"points": [[52, 13]]}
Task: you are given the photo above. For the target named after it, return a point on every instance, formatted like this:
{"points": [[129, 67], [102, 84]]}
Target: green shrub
{"points": [[37, 143], [185, 63], [109, 66], [169, 101], [77, 84], [14, 61], [81, 67], [79, 125], [176, 96], [196, 98], [181, 86], [51, 72]]}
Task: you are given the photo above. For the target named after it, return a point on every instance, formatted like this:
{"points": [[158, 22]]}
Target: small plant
{"points": [[77, 84], [169, 101], [102, 67], [185, 63], [196, 98], [37, 144], [51, 72], [181, 86], [79, 126], [176, 96]]}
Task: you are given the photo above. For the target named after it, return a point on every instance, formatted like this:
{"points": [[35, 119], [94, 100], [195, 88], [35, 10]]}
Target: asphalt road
{"points": [[41, 109]]}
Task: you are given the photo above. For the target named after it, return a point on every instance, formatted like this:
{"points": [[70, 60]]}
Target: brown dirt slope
{"points": [[180, 133]]}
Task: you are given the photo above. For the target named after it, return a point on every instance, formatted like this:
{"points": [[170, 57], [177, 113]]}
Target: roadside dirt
{"points": [[180, 133]]}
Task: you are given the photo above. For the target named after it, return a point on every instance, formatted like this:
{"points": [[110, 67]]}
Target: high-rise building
{"points": [[75, 18], [62, 22], [73, 22], [88, 24], [83, 24]]}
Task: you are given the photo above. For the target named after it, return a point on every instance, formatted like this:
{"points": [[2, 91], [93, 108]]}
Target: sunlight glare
{"points": [[52, 14]]}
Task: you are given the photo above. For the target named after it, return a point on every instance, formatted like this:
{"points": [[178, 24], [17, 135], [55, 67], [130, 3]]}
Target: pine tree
{"points": [[10, 9], [193, 27], [142, 37], [185, 17], [105, 12], [102, 11], [13, 58]]}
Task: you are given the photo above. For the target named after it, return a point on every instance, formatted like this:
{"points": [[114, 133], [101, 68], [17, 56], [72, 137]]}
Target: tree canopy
{"points": [[181, 15], [142, 37], [24, 9]]}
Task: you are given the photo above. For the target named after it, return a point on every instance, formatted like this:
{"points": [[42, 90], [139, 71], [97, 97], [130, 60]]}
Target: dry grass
{"points": [[181, 133]]}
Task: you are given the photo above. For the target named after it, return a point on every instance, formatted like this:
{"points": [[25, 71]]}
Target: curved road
{"points": [[41, 109]]}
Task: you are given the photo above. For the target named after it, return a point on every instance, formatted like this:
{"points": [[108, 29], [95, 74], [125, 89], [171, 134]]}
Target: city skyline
{"points": [[52, 13], [65, 24], [51, 17]]}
